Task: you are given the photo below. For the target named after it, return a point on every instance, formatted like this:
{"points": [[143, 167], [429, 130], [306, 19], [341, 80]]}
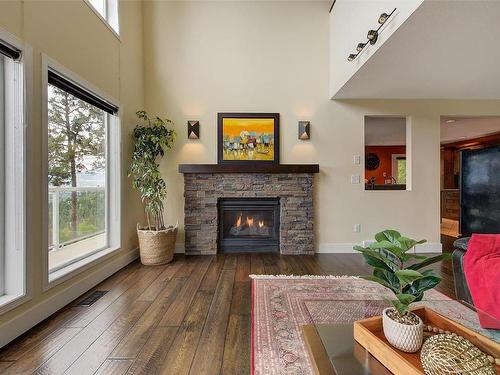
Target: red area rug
{"points": [[281, 304]]}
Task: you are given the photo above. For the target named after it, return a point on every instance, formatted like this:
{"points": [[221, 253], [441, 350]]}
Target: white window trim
{"points": [[109, 12], [113, 176], [11, 301]]}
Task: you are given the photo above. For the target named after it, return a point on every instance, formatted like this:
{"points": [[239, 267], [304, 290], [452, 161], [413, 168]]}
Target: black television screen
{"points": [[480, 191]]}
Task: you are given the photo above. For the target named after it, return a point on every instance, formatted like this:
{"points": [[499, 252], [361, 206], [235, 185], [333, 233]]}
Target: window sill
{"points": [[71, 270], [385, 187], [11, 301]]}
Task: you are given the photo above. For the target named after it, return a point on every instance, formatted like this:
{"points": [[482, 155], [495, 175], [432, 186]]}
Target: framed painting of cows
{"points": [[245, 138]]}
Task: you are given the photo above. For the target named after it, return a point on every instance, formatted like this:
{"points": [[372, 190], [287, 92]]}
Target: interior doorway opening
{"points": [[470, 158]]}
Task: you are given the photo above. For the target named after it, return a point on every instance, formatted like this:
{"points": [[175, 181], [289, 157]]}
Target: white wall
{"points": [[70, 33], [208, 57], [350, 21]]}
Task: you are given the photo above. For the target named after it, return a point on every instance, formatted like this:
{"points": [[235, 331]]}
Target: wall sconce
{"points": [[372, 36], [193, 129], [304, 130]]}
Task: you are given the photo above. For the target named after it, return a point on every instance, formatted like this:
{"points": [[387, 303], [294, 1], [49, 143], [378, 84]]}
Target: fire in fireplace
{"points": [[249, 225], [252, 225]]}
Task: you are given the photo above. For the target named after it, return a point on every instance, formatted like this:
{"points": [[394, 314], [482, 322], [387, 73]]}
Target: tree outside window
{"points": [[401, 170], [76, 159]]}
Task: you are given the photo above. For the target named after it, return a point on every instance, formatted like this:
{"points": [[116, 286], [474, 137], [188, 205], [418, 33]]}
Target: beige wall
{"points": [[70, 33], [202, 58], [208, 57]]}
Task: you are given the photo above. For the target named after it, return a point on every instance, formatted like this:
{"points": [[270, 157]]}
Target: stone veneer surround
{"points": [[202, 191]]}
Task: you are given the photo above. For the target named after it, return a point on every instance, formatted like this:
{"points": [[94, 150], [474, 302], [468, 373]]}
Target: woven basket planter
{"points": [[157, 247]]}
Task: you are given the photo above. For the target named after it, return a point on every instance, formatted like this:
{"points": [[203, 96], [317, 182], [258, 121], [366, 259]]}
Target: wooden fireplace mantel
{"points": [[249, 168]]}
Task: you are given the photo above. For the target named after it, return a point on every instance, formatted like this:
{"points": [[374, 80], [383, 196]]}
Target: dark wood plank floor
{"points": [[189, 317]]}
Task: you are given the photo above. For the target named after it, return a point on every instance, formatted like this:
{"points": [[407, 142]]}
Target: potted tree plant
{"points": [[388, 256], [151, 138]]}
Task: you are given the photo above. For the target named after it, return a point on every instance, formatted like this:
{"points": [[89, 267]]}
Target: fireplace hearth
{"points": [[248, 225]]}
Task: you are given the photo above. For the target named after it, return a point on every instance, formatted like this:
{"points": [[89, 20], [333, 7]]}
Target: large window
{"points": [[108, 11], [12, 168], [82, 141]]}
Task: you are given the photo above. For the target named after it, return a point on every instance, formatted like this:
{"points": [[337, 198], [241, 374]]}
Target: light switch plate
{"points": [[355, 179], [357, 228], [356, 159]]}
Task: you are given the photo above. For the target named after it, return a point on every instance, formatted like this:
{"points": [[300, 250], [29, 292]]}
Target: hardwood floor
{"points": [[189, 317]]}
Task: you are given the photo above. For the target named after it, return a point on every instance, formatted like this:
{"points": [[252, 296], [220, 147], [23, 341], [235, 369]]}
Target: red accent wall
{"points": [[385, 155]]}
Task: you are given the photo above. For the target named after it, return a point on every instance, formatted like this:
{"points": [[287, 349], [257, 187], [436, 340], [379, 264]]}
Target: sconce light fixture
{"points": [[372, 35], [193, 129], [304, 130]]}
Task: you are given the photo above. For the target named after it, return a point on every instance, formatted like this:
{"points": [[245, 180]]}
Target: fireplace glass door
{"points": [[249, 225]]}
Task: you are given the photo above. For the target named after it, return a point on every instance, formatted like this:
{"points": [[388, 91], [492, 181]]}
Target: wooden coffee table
{"points": [[333, 351]]}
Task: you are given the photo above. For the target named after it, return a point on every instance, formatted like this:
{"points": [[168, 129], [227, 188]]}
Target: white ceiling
{"points": [[385, 131], [445, 49], [467, 127], [391, 131]]}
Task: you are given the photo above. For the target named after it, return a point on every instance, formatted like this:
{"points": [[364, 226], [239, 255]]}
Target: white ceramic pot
{"points": [[402, 336]]}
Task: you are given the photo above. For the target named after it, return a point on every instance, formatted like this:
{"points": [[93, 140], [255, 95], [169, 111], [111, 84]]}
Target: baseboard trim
{"points": [[179, 248], [34, 315], [336, 248], [347, 248], [430, 247]]}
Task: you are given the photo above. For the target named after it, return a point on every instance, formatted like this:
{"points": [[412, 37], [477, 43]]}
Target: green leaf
{"points": [[429, 261], [400, 307], [374, 262], [389, 277], [423, 284], [388, 235], [428, 273], [386, 245], [360, 248], [419, 296], [405, 299], [375, 259], [377, 280], [408, 276], [408, 243]]}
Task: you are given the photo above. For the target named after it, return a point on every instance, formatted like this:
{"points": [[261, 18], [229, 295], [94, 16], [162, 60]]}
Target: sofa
{"points": [[461, 289]]}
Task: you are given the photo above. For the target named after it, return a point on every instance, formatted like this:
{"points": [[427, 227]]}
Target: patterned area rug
{"points": [[281, 304]]}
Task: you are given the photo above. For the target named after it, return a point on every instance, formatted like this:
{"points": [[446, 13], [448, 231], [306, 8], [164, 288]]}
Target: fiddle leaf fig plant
{"points": [[399, 270], [151, 138]]}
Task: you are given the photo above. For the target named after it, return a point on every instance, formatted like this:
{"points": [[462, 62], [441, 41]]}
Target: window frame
{"points": [[2, 175], [112, 15], [8, 299], [113, 181]]}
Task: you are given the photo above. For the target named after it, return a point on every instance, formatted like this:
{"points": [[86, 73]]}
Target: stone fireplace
{"points": [[268, 208]]}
